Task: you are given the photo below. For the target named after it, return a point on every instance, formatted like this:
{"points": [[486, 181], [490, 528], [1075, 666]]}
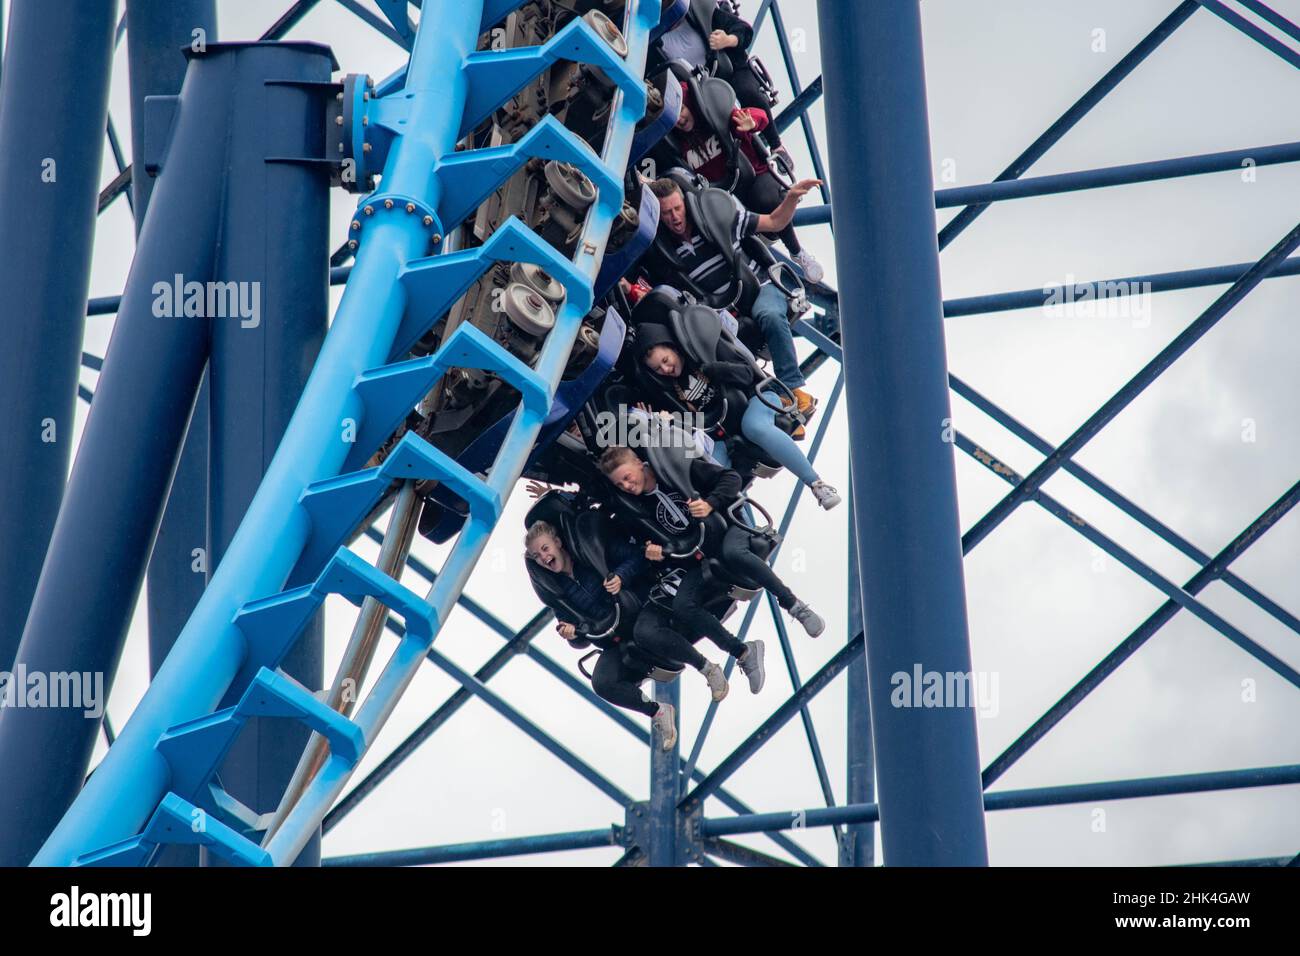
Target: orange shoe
{"points": [[807, 404], [800, 433]]}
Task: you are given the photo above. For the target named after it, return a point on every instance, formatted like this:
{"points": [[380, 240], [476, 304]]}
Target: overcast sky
{"points": [[1044, 605]]}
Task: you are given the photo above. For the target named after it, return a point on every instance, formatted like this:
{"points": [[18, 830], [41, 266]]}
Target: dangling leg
{"points": [[759, 426], [736, 554]]}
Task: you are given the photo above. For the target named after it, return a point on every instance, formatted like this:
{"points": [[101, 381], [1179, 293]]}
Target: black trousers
{"points": [[618, 680], [764, 195], [732, 548], [654, 633]]}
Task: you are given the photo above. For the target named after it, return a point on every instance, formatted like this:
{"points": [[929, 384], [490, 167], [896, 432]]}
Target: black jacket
{"points": [[723, 377], [737, 56]]}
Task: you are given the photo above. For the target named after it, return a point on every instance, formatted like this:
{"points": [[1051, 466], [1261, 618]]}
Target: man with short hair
{"points": [[707, 267], [676, 512]]}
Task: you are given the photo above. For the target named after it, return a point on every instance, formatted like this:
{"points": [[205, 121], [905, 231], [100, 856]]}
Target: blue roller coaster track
{"points": [[914, 773]]}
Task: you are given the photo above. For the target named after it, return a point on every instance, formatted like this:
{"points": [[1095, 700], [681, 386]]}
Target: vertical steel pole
{"points": [[127, 786], [258, 365], [664, 776], [53, 112], [157, 33], [859, 847], [895, 368], [130, 447]]}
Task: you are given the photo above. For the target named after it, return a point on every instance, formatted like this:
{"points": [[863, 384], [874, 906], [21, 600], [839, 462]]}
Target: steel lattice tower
{"points": [[281, 523]]}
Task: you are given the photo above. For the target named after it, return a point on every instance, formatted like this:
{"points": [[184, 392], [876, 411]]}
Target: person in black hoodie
{"points": [[718, 42], [677, 512], [723, 392], [619, 670]]}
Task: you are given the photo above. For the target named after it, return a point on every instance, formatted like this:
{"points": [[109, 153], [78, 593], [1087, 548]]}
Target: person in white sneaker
{"points": [[677, 513], [577, 587]]}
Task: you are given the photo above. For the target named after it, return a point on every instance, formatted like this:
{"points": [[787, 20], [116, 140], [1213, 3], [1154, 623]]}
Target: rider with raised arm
{"points": [[706, 267]]}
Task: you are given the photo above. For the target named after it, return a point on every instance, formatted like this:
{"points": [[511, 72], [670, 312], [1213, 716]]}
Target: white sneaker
{"points": [[826, 496], [812, 269], [751, 665], [717, 680], [665, 721], [812, 621]]}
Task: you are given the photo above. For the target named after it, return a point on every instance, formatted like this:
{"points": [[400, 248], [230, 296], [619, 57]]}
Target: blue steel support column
{"points": [[664, 776], [859, 847], [895, 369], [257, 372], [124, 464], [157, 33], [53, 111], [127, 786]]}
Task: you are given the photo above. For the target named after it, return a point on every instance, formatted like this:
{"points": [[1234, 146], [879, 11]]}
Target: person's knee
{"points": [[603, 684]]}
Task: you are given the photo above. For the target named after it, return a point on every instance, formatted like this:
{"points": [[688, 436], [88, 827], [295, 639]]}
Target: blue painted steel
{"points": [[1134, 387], [1071, 117], [799, 105], [1209, 573], [1154, 282], [53, 145], [569, 398], [814, 150], [1134, 564], [158, 30], [1000, 191], [550, 365], [495, 76], [662, 846], [1144, 518], [1262, 37], [1273, 17], [859, 845], [1022, 799], [257, 367], [128, 785], [125, 460], [157, 33], [521, 639], [485, 850], [904, 485], [810, 731], [765, 731], [827, 414]]}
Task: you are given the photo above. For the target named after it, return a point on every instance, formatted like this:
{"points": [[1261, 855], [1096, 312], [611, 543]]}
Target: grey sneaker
{"points": [[665, 721], [717, 680], [826, 496], [812, 621], [751, 665]]}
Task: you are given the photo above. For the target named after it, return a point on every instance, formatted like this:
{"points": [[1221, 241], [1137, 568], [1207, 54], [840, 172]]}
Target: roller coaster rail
{"points": [[157, 778]]}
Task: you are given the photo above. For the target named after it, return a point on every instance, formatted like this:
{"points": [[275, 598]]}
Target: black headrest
{"points": [[668, 457], [656, 304], [715, 215], [698, 329], [555, 510], [716, 99]]}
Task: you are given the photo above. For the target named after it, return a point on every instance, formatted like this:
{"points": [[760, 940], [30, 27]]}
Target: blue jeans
{"points": [[769, 311], [759, 426]]}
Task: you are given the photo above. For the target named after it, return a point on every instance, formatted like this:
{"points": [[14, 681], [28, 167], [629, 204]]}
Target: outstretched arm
{"points": [[780, 217]]}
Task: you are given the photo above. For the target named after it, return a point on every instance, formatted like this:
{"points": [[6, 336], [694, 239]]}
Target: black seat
{"points": [[672, 467], [715, 98], [583, 534]]}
